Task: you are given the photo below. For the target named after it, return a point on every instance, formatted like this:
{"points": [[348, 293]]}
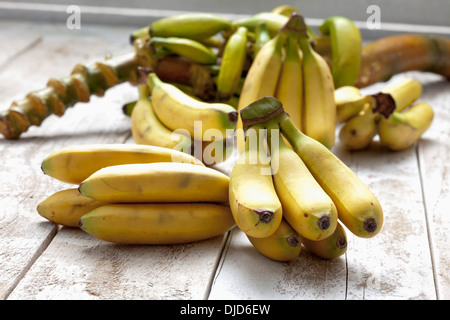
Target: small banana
{"points": [[253, 200], [404, 91], [188, 48], [157, 223], [66, 207], [197, 26], [402, 129], [234, 56], [290, 85], [350, 102], [358, 208], [358, 132], [262, 36], [319, 115], [273, 21], [306, 206], [76, 163], [179, 111], [329, 248], [156, 182], [283, 245], [346, 44], [147, 129]]}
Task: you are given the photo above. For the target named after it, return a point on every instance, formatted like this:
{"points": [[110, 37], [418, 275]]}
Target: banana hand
{"points": [[346, 45], [66, 207], [156, 182], [162, 223], [197, 26]]}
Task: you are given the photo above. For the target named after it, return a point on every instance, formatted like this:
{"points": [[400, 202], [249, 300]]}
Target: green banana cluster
{"points": [[393, 114], [287, 194]]}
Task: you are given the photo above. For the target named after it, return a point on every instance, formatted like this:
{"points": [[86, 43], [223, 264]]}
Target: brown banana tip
{"points": [[324, 222], [265, 216], [233, 116], [293, 240], [143, 74], [384, 104], [80, 224], [341, 242], [370, 225]]}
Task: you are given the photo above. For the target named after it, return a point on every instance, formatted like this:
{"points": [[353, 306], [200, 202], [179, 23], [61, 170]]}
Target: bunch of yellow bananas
{"points": [[282, 195], [393, 114], [137, 194]]}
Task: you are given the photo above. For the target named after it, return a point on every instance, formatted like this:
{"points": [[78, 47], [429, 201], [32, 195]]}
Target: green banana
{"points": [[234, 56], [196, 26], [188, 48], [273, 21], [346, 44], [262, 36]]}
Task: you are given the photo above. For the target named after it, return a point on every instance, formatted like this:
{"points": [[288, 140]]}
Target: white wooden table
{"points": [[409, 259]]}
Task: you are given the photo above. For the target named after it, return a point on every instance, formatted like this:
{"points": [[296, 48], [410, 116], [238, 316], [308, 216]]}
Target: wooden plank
{"points": [[434, 155]]}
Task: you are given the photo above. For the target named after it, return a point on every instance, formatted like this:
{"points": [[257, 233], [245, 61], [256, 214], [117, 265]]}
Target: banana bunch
{"points": [[137, 194], [392, 114], [285, 196]]}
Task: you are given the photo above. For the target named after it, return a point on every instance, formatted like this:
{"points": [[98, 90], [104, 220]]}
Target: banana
{"points": [[402, 129], [179, 111], [262, 77], [290, 85], [156, 182], [253, 200], [196, 26], [273, 21], [76, 163], [262, 36], [319, 115], [188, 48], [283, 245], [350, 102], [329, 248], [404, 91], [234, 56], [358, 208], [346, 44], [358, 132], [157, 223], [306, 206], [147, 129], [285, 10], [66, 207]]}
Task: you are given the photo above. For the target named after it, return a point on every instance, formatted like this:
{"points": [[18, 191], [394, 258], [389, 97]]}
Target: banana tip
{"points": [[370, 225], [265, 216], [293, 240], [324, 222], [341, 242]]}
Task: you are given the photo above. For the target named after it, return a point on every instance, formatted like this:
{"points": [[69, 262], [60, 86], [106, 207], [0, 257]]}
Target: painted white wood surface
{"points": [[409, 259]]}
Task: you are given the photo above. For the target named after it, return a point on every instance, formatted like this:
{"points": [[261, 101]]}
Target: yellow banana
{"points": [[319, 109], [76, 163], [290, 85], [358, 208], [234, 56], [306, 206], [283, 245], [188, 48], [404, 91], [358, 132], [179, 111], [329, 248], [147, 129], [402, 129], [262, 78], [156, 182], [350, 102], [158, 223], [285, 10], [66, 207], [253, 199], [197, 26]]}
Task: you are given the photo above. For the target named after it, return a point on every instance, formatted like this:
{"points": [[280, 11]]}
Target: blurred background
{"points": [[375, 18]]}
